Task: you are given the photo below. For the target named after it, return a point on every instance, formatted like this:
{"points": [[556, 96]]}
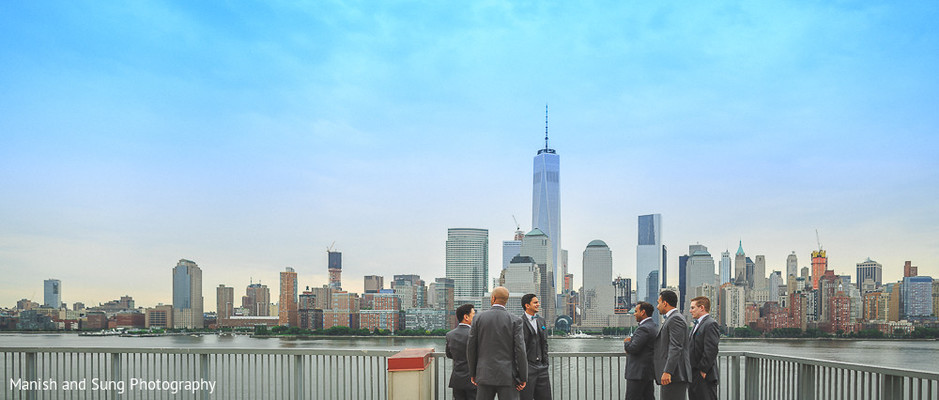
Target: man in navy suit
{"points": [[536, 345], [463, 389], [640, 346], [705, 337]]}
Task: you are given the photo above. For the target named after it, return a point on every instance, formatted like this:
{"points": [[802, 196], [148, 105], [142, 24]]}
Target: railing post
{"points": [[752, 378], [806, 381], [31, 373], [115, 372], [204, 371], [733, 390], [298, 377], [891, 387]]}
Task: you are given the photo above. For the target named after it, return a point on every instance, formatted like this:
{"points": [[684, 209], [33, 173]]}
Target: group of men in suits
{"points": [[496, 353], [683, 363]]}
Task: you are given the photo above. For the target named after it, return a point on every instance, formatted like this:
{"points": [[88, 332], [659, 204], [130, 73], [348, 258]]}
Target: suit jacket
{"points": [[640, 350], [703, 348], [536, 341], [671, 350], [456, 350], [495, 351]]}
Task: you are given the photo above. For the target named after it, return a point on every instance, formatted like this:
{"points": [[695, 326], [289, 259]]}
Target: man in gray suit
{"points": [[463, 389], [705, 337], [672, 368], [639, 346], [538, 385], [495, 351]]}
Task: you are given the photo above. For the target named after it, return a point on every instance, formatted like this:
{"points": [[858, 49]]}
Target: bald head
{"points": [[500, 295]]}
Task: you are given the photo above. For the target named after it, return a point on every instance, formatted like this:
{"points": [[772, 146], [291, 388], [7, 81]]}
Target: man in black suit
{"points": [[639, 372], [463, 389], [705, 337], [672, 368], [495, 351], [536, 345]]}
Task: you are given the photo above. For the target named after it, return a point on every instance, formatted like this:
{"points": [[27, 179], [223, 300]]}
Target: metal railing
{"points": [[117, 373]]}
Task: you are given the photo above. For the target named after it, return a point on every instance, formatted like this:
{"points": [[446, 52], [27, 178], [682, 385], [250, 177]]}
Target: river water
{"points": [[906, 354]]}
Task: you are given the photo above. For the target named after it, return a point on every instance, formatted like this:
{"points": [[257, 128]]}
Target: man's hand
{"points": [[520, 386], [473, 379], [666, 378], [628, 339], [703, 375]]}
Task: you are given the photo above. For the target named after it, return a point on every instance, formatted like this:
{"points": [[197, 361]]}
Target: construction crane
{"points": [[517, 226], [330, 248], [817, 240]]}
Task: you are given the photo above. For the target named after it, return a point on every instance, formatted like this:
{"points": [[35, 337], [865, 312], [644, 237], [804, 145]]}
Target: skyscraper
{"points": [[759, 273], [598, 293], [726, 268], [374, 283], [869, 269], [792, 266], [699, 272], [510, 248], [335, 269], [537, 245], [740, 266], [187, 295], [909, 270], [649, 257], [546, 198], [257, 300], [819, 266], [287, 306], [917, 297], [52, 293], [467, 261], [224, 301]]}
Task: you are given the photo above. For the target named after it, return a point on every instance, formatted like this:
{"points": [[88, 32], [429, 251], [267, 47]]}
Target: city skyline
{"points": [[249, 140]]}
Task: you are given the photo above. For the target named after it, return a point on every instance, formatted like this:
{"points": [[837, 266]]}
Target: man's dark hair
{"points": [[669, 297], [462, 311], [646, 308], [526, 299]]}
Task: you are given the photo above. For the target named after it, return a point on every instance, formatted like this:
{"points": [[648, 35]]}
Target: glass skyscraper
{"points": [[649, 257], [187, 295], [52, 293], [468, 263], [546, 200]]}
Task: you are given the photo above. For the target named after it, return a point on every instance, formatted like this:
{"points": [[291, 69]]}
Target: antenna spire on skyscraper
{"points": [[546, 126]]}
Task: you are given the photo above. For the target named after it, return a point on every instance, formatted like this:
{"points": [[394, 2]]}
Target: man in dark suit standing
{"points": [[463, 389], [495, 351], [536, 345], [672, 368], [639, 372], [705, 337]]}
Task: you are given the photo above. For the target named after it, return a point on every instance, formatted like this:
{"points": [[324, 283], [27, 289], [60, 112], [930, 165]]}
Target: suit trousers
{"points": [[489, 392], [640, 389], [538, 386], [701, 389], [464, 394], [674, 391]]}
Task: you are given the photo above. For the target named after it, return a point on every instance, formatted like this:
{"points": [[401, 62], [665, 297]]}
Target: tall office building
{"points": [[510, 248], [759, 273], [622, 296], [740, 266], [869, 269], [374, 283], [792, 266], [257, 300], [546, 198], [819, 266], [287, 309], [187, 295], [537, 245], [335, 269], [649, 258], [52, 293], [682, 281], [726, 268], [699, 272], [775, 280], [467, 261], [598, 293], [917, 297], [224, 301], [441, 291], [909, 270]]}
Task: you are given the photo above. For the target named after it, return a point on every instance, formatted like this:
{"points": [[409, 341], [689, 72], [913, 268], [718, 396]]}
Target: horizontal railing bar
{"points": [[844, 365], [209, 350]]}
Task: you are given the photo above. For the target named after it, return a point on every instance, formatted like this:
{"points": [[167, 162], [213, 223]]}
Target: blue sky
{"points": [[249, 136]]}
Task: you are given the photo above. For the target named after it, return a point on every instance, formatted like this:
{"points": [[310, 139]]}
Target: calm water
{"points": [[917, 355]]}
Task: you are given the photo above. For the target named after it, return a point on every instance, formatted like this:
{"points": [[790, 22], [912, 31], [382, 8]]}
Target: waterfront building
{"points": [[323, 297], [441, 295], [917, 297], [467, 263], [829, 285], [428, 319], [598, 294], [344, 311], [733, 306], [160, 316], [287, 310], [935, 297], [546, 200], [819, 266], [308, 315], [374, 283], [650, 266], [839, 315], [224, 301], [773, 316], [797, 310], [775, 281], [792, 267], [875, 306], [187, 295], [411, 289], [622, 296], [869, 269], [250, 321], [257, 300], [334, 268], [52, 293], [894, 308], [726, 268]]}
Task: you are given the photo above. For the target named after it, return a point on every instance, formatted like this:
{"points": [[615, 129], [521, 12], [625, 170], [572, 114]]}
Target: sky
{"points": [[250, 136]]}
